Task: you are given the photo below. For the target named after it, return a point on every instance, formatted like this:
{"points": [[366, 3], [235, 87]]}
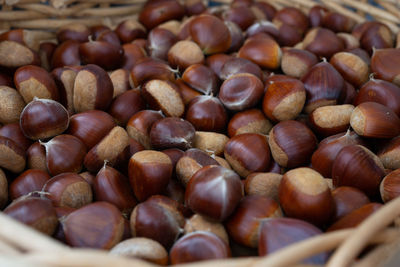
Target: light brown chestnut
{"points": [[371, 119], [358, 167], [210, 142], [185, 53], [14, 55], [389, 154], [65, 79], [305, 195], [350, 42], [36, 157], [263, 184], [292, 143], [68, 190], [43, 118], [293, 17], [120, 81], [297, 62], [283, 99], [93, 89], [149, 173], [201, 223], [12, 156], [249, 121], [11, 105], [351, 67]]}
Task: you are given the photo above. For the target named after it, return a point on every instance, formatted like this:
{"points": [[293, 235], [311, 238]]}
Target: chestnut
{"points": [[241, 15], [210, 33], [377, 36], [147, 69], [380, 91], [323, 84], [102, 53], [346, 200], [382, 64], [46, 51], [33, 81], [316, 15], [297, 62], [43, 118], [217, 61], [14, 55], [108, 149], [157, 218], [129, 30], [65, 79], [13, 131], [133, 53], [389, 187], [268, 9], [211, 142], [139, 125], [249, 121], [187, 93], [237, 36], [247, 153], [191, 161], [199, 246], [289, 35], [389, 154], [164, 96], [11, 105], [355, 217], [172, 132], [73, 31], [157, 12], [371, 119], [322, 42], [323, 158], [293, 17], [149, 173], [36, 157], [201, 78], [12, 156], [216, 187], [113, 187], [264, 51], [330, 120], [277, 233], [159, 42], [126, 105], [91, 126], [283, 99], [29, 181], [68, 190], [66, 54], [64, 153], [200, 223], [142, 248], [185, 53], [120, 80], [244, 224], [351, 67], [350, 42], [338, 22], [346, 169], [304, 194], [263, 184], [263, 26], [241, 91], [93, 89], [4, 191], [292, 143], [236, 65], [97, 225], [206, 113]]}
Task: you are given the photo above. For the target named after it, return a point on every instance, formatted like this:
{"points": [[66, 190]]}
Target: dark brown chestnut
{"points": [[129, 30], [13, 131], [322, 42], [346, 200], [29, 181], [201, 78], [126, 105], [66, 54], [157, 12]]}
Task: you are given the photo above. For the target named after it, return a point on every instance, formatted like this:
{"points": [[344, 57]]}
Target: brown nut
{"points": [[185, 53], [389, 154], [201, 223], [11, 105], [297, 62], [389, 188], [12, 156], [210, 142], [249, 121], [263, 184], [14, 55]]}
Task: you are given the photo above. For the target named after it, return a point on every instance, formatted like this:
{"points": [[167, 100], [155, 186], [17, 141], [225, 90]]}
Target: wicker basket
{"points": [[22, 246]]}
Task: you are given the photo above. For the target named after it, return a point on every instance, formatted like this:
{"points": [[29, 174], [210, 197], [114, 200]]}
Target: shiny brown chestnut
{"points": [[29, 181], [129, 30], [12, 156], [358, 167], [200, 223], [266, 8], [133, 53], [101, 53], [389, 154], [126, 105], [157, 12], [30, 38], [263, 184], [217, 187], [93, 89], [148, 69], [149, 173], [293, 17], [382, 64], [323, 84], [108, 149], [241, 15], [113, 187], [43, 118], [346, 200], [164, 96], [338, 22], [371, 119], [68, 190], [157, 218], [351, 67], [263, 26], [244, 224], [97, 225], [289, 35], [377, 36], [11, 105], [172, 132], [201, 78], [91, 126], [322, 42], [249, 121], [248, 153], [187, 93], [65, 79], [13, 131], [199, 246], [66, 54], [185, 53], [237, 36], [217, 61], [210, 33], [323, 158], [278, 233], [316, 15], [297, 62], [350, 42], [389, 188], [236, 65], [64, 153], [159, 42], [380, 91], [74, 31], [33, 81], [292, 143], [36, 212], [305, 195], [283, 99], [36, 157]]}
